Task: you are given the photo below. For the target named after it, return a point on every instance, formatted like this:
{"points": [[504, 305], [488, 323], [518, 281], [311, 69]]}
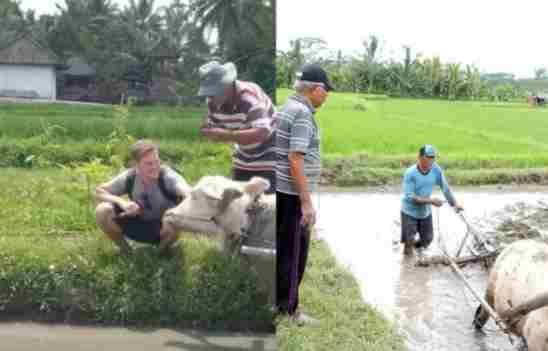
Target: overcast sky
{"points": [[494, 35]]}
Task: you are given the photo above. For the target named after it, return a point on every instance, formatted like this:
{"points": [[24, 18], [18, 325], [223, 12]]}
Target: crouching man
{"points": [[152, 189]]}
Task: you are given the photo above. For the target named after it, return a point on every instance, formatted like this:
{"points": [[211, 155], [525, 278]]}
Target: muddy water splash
{"points": [[430, 305]]}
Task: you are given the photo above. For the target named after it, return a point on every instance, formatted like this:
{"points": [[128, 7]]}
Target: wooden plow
{"points": [[480, 250]]}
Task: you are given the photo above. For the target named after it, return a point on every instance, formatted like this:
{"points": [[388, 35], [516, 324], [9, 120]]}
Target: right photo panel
{"points": [[411, 176]]}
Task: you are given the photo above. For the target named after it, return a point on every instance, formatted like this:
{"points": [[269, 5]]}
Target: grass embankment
{"points": [[55, 265], [330, 294], [371, 140]]}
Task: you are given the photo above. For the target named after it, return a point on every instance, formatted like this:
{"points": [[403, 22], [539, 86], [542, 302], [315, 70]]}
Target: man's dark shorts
{"points": [[138, 229], [410, 226], [244, 176]]}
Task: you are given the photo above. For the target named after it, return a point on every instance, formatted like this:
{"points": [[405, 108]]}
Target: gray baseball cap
{"points": [[214, 78]]}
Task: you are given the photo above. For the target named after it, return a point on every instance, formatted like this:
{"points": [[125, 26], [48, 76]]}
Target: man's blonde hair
{"points": [[142, 147]]}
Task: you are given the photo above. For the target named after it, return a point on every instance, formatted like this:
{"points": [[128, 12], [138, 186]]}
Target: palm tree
{"points": [[472, 82], [453, 80], [245, 35], [232, 18]]}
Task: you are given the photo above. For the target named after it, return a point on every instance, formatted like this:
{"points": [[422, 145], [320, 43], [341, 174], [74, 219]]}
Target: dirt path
{"points": [[26, 336]]}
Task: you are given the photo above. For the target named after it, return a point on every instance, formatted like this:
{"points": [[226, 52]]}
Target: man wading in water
{"points": [[416, 214]]}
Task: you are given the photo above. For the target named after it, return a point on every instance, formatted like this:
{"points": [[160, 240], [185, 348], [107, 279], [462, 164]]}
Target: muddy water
{"points": [[431, 306]]}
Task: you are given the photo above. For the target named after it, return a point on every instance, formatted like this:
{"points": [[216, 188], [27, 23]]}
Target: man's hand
{"points": [[216, 134], [309, 214], [436, 202], [205, 123], [131, 209], [458, 207]]}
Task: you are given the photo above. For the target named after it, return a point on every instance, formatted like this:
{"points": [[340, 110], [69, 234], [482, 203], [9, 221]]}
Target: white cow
{"points": [[519, 274], [235, 211], [240, 214]]}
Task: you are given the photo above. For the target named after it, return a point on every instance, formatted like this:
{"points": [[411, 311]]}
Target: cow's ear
{"points": [[212, 186], [256, 186], [228, 196]]}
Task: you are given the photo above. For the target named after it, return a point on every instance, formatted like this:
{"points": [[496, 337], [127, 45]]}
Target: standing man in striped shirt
{"points": [[241, 113], [297, 174]]}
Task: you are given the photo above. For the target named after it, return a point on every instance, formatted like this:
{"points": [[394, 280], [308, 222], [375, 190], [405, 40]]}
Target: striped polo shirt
{"points": [[297, 132], [250, 108]]}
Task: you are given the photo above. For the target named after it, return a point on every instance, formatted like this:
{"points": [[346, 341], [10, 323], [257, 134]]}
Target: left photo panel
{"points": [[138, 166]]}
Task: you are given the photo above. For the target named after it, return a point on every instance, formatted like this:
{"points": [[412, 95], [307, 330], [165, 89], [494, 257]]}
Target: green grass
{"points": [[330, 294], [95, 122], [470, 137], [193, 158], [56, 265]]}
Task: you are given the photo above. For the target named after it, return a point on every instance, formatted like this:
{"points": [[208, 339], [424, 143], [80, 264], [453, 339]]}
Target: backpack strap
{"points": [[130, 182], [173, 197]]}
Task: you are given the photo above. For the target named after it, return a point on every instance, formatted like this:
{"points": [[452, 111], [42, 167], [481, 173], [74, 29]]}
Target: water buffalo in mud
{"points": [[237, 212], [518, 277]]}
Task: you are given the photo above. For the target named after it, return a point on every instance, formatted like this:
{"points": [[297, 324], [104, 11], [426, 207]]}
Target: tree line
{"points": [[412, 76], [113, 39]]}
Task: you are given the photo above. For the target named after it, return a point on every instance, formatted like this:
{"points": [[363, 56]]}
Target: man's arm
{"points": [[242, 137], [426, 200], [296, 170], [182, 188], [448, 193], [409, 191], [105, 193], [176, 183]]}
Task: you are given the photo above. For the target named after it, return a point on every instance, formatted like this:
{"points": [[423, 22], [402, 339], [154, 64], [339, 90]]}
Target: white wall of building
{"points": [[28, 78]]}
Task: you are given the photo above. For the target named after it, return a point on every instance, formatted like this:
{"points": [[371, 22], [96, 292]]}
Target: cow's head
{"points": [[220, 201]]}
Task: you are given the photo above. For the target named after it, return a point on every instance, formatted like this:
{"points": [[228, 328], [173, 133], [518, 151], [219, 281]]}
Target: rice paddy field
{"points": [[56, 265], [369, 140]]}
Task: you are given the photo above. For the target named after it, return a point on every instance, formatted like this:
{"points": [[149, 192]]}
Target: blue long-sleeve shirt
{"points": [[416, 183]]}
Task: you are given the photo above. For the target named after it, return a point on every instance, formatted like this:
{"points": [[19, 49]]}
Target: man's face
{"points": [[215, 101], [318, 96], [426, 162], [149, 166], [219, 100]]}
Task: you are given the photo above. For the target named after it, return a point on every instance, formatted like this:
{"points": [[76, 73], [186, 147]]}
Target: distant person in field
{"points": [[241, 113], [298, 174], [416, 214], [152, 189]]}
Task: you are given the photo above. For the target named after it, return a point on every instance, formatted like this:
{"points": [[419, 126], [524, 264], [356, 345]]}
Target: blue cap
{"points": [[428, 151]]}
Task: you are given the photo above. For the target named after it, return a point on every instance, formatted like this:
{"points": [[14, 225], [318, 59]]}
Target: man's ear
{"points": [[228, 196]]}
